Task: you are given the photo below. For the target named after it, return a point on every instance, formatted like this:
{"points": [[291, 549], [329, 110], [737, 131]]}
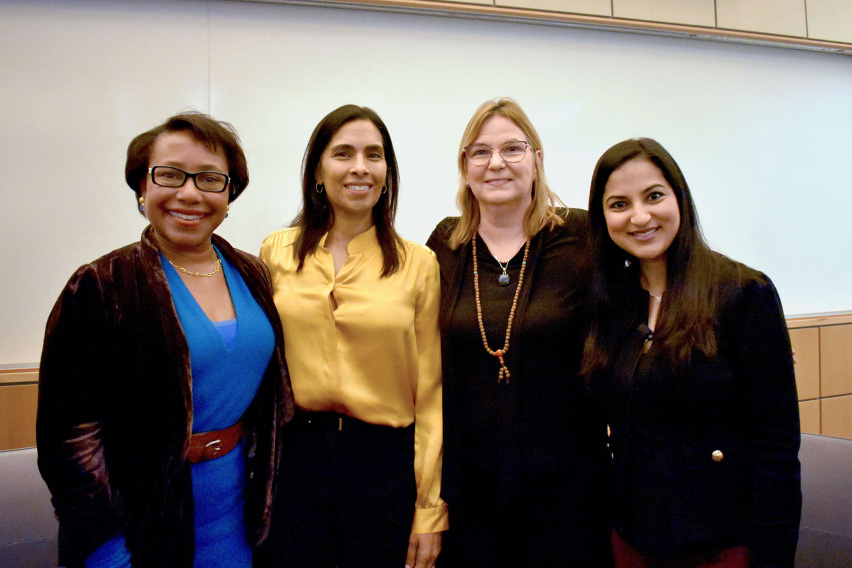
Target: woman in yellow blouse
{"points": [[361, 475]]}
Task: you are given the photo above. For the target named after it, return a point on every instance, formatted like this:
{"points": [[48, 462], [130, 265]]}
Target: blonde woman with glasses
{"points": [[525, 460]]}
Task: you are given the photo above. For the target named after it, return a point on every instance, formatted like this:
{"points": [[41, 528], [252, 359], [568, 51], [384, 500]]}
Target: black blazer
{"points": [[706, 456]]}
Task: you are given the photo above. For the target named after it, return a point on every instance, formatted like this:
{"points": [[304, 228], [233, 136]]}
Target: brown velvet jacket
{"points": [[115, 410]]}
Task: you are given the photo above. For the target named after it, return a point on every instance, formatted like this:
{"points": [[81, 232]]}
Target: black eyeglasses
{"points": [[169, 176], [480, 154]]}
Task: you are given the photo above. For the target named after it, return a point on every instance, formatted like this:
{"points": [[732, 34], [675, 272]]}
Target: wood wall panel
{"points": [[483, 2], [835, 345], [824, 25], [783, 17], [688, 12], [830, 20], [17, 416], [806, 345], [809, 416], [836, 416], [591, 7]]}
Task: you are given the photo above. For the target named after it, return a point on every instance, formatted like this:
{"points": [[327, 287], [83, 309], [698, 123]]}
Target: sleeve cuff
{"points": [[431, 520]]}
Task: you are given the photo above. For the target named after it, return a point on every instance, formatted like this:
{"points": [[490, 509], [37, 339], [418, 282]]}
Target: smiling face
{"points": [[184, 218], [498, 182], [641, 210], [353, 170]]}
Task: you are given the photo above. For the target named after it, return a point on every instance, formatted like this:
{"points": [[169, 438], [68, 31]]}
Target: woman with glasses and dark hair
{"points": [[689, 351], [525, 459], [162, 383], [361, 476]]}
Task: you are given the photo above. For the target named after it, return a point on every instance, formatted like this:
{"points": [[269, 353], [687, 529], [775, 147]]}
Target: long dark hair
{"points": [[688, 312], [316, 215]]}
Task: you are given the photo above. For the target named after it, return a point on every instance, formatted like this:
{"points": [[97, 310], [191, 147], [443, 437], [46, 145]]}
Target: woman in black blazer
{"points": [[690, 353]]}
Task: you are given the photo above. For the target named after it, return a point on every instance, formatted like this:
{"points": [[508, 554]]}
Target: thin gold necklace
{"points": [[499, 353], [199, 274]]}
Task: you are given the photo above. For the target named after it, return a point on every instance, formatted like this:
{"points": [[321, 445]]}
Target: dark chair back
{"points": [[28, 527], [825, 535]]}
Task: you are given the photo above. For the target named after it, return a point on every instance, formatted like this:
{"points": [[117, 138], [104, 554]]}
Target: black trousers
{"points": [[345, 495], [557, 519]]}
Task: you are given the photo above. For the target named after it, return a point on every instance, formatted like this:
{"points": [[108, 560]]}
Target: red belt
{"points": [[210, 445]]}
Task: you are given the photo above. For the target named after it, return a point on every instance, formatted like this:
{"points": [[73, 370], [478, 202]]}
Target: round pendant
{"points": [[503, 279]]}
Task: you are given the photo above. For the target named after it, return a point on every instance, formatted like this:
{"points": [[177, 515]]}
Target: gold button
{"points": [[718, 455]]}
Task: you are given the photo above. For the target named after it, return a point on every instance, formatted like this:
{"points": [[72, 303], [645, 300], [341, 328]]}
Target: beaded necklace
{"points": [[499, 353]]}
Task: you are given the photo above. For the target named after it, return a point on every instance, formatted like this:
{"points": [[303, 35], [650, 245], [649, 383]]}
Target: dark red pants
{"points": [[628, 557]]}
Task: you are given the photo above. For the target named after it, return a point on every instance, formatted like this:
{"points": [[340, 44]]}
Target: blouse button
{"points": [[718, 455]]}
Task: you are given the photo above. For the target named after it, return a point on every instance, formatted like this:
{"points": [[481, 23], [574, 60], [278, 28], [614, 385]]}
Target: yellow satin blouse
{"points": [[376, 355]]}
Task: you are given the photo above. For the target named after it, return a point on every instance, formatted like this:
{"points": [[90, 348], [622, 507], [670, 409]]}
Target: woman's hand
{"points": [[423, 550]]}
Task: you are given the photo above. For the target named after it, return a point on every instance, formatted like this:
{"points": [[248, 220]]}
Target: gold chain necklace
{"points": [[499, 353], [199, 274]]}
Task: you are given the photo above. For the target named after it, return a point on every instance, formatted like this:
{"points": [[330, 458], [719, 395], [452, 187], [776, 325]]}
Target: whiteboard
{"points": [[761, 133]]}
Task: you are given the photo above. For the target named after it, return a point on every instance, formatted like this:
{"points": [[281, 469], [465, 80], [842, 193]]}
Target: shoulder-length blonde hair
{"points": [[542, 211]]}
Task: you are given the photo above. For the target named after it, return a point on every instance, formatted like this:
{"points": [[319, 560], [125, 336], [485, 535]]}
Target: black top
{"points": [[543, 418], [706, 454]]}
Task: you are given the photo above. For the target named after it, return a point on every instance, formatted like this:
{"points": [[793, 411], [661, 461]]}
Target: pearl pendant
{"points": [[503, 279]]}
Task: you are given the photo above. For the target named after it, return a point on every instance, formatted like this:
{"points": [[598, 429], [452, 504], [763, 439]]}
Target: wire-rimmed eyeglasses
{"points": [[480, 154]]}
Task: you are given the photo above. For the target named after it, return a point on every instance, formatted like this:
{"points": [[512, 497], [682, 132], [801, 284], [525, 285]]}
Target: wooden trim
{"points": [[19, 376], [819, 320], [600, 23]]}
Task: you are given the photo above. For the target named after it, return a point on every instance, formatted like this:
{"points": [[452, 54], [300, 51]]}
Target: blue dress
{"points": [[228, 362]]}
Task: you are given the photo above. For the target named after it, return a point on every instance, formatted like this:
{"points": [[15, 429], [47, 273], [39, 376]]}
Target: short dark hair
{"points": [[316, 216], [214, 134]]}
